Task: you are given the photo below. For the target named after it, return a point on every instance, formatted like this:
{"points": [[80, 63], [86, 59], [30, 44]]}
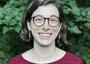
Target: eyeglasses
{"points": [[40, 20]]}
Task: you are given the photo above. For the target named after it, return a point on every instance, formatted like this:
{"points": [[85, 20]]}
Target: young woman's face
{"points": [[45, 24]]}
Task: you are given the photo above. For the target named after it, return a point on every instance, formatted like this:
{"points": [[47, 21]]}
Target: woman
{"points": [[43, 23]]}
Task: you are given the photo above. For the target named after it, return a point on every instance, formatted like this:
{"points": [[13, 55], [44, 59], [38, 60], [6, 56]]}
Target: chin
{"points": [[45, 43]]}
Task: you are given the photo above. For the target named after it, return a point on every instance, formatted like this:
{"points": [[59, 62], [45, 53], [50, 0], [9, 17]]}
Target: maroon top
{"points": [[67, 59]]}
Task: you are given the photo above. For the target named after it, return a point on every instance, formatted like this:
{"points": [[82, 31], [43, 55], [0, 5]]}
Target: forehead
{"points": [[46, 11]]}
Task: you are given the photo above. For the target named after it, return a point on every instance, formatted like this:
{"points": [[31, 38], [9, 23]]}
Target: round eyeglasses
{"points": [[40, 20]]}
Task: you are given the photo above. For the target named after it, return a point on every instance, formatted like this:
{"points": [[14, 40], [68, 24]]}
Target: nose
{"points": [[46, 25]]}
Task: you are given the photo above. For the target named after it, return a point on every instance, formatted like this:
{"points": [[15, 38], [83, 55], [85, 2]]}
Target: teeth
{"points": [[45, 34]]}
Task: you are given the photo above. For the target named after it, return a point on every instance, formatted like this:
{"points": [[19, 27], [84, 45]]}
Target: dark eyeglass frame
{"points": [[47, 19]]}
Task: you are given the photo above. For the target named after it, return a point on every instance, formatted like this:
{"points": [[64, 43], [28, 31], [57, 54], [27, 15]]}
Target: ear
{"points": [[28, 25]]}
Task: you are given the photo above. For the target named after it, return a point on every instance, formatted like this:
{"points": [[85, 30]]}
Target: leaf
{"points": [[5, 30], [72, 3], [12, 22], [88, 61], [78, 18], [17, 29], [88, 16], [69, 21], [0, 21], [67, 10], [74, 29], [1, 13], [83, 12], [76, 11], [6, 20], [88, 9], [2, 54], [87, 25]]}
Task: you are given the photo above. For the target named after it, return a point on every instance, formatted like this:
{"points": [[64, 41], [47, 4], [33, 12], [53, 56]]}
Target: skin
{"points": [[44, 49], [47, 12]]}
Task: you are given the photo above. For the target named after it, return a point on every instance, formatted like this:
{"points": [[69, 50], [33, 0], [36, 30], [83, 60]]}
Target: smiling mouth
{"points": [[45, 35]]}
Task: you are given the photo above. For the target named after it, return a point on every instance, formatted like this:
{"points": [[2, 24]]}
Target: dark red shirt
{"points": [[67, 59]]}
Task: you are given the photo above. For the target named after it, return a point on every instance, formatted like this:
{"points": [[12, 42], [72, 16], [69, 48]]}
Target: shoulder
{"points": [[16, 60], [72, 58]]}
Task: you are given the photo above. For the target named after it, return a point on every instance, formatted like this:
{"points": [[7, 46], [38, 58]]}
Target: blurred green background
{"points": [[77, 19]]}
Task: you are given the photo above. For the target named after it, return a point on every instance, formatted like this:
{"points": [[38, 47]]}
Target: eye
{"points": [[54, 19], [38, 19]]}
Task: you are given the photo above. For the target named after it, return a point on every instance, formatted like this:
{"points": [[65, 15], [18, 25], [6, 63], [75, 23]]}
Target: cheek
{"points": [[34, 31], [33, 27], [56, 30]]}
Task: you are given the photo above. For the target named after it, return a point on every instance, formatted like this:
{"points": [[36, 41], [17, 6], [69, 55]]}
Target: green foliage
{"points": [[10, 15], [77, 20], [74, 29]]}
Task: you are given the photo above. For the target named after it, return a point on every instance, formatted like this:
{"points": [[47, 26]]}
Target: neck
{"points": [[43, 52]]}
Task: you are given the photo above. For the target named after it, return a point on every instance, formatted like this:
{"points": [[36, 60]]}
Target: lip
{"points": [[45, 35]]}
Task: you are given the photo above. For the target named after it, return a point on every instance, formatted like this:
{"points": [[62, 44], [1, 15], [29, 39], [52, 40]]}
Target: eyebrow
{"points": [[43, 16]]}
